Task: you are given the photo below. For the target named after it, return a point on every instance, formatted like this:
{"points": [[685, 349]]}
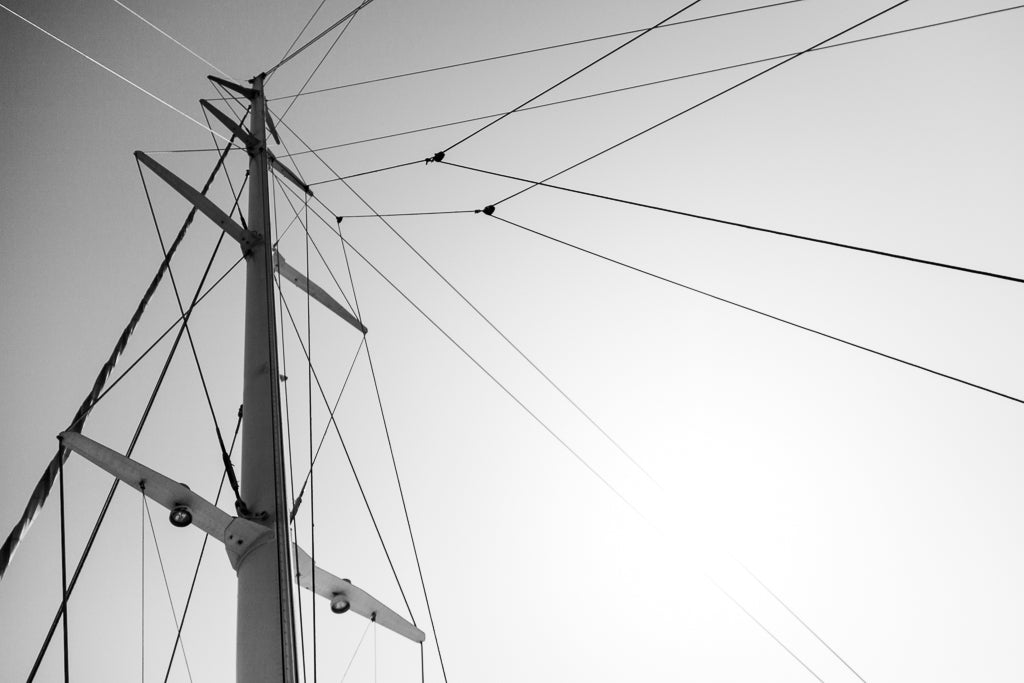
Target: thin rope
{"points": [[113, 487], [321, 63], [199, 560], [761, 313], [519, 53], [625, 88], [802, 622], [45, 484], [126, 80], [320, 35], [709, 99], [352, 467], [174, 40], [64, 575], [142, 585], [356, 651], [309, 399], [754, 228], [575, 73], [167, 585], [405, 510]]}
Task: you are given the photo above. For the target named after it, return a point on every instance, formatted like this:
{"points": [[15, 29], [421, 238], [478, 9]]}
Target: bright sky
{"points": [[879, 501]]}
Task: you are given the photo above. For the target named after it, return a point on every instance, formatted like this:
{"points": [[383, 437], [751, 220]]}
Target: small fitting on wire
{"points": [[438, 157], [339, 219], [487, 210]]}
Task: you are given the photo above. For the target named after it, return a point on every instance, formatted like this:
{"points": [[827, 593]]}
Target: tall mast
{"points": [[266, 633]]}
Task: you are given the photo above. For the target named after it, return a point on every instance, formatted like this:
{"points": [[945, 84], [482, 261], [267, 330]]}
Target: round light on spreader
{"points": [[339, 605], [181, 516]]}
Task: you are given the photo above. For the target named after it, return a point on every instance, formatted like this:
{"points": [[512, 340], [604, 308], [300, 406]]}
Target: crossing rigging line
{"points": [[519, 53], [320, 35], [576, 73], [174, 40], [748, 226], [709, 99], [355, 475], [757, 311], [626, 88], [123, 78], [479, 313]]}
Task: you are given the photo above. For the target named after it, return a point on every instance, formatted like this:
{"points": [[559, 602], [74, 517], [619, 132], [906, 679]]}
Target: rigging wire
{"points": [[802, 622], [626, 88], [747, 226], [303, 30], [709, 99], [487, 320], [279, 327], [167, 585], [352, 466], [575, 73], [309, 398], [356, 651], [175, 40], [45, 484], [321, 63], [519, 53], [405, 509], [123, 78], [202, 552], [759, 312], [228, 469], [64, 575], [113, 487], [765, 629], [320, 35]]}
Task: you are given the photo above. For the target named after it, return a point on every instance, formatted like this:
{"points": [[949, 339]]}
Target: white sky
{"points": [[881, 502]]}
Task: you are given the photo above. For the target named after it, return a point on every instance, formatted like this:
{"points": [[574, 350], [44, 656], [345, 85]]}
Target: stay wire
{"points": [[320, 35], [123, 78], [760, 312], [494, 327], [520, 53], [494, 379], [748, 226], [802, 622], [228, 468], [709, 99], [304, 27], [309, 398], [635, 86], [405, 510], [321, 63], [167, 585], [174, 40], [202, 552], [64, 574], [316, 247], [352, 466], [575, 73], [356, 651], [113, 488], [297, 501], [288, 422], [765, 629]]}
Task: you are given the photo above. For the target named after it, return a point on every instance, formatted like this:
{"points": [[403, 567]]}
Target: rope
{"points": [[113, 488], [45, 484], [755, 228], [174, 40], [320, 35], [575, 73], [109, 70], [762, 313], [520, 53], [199, 561], [711, 98], [167, 585]]}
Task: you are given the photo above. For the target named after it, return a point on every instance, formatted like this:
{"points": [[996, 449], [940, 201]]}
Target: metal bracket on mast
{"points": [[315, 291], [246, 238], [240, 89], [240, 536], [251, 143]]}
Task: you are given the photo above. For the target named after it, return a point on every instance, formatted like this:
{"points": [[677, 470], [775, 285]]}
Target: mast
{"points": [[266, 634]]}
